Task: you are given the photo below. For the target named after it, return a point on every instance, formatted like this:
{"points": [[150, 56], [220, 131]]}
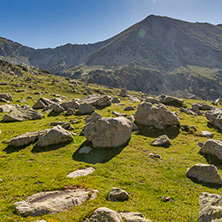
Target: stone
{"points": [[108, 132], [52, 202], [26, 138], [215, 117], [158, 116], [104, 214], [92, 116], [162, 140], [133, 217], [86, 109], [3, 100], [74, 104], [128, 108], [152, 100], [117, 194], [170, 100], [212, 148], [57, 135], [134, 99], [56, 110], [21, 114], [196, 108], [97, 100], [85, 149], [187, 111], [123, 93], [154, 155], [81, 172], [205, 173], [203, 106], [42, 103], [199, 144], [166, 198], [210, 208], [7, 108], [118, 114], [6, 96], [70, 112], [115, 100], [206, 134]]}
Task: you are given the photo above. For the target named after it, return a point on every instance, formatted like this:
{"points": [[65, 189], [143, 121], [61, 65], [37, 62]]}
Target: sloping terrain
{"points": [[25, 171]]}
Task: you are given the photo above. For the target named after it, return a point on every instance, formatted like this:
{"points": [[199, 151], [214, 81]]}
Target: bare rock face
{"points": [[215, 117], [26, 139], [104, 214], [97, 100], [213, 148], [21, 114], [158, 116], [210, 208], [57, 135], [42, 103], [53, 201], [6, 96], [170, 100], [108, 132], [133, 217], [117, 194], [205, 173], [162, 140]]}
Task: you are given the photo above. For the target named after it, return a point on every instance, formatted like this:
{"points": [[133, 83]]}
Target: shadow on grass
{"points": [[97, 155], [171, 132], [37, 149], [211, 126], [12, 149]]}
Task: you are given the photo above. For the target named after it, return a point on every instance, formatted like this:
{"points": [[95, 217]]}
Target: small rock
{"points": [[154, 155], [81, 172], [206, 134], [129, 108], [117, 194], [115, 100], [162, 140], [85, 149], [166, 198], [133, 217], [86, 109], [118, 114]]}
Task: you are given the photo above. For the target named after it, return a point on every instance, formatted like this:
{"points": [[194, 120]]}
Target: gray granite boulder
{"points": [[162, 140], [86, 109], [117, 194], [96, 100]]}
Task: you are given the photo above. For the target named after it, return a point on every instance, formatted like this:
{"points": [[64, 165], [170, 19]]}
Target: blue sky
{"points": [[50, 23]]}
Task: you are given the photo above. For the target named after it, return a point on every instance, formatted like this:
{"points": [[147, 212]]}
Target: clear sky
{"points": [[50, 23]]}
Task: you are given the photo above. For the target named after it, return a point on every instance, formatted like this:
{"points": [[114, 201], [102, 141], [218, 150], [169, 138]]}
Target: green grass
{"points": [[25, 172]]}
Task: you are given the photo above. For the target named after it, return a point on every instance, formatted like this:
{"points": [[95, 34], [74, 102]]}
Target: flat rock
{"points": [[7, 108], [170, 100], [133, 217], [26, 138], [162, 140], [96, 100], [117, 194], [108, 132], [205, 173], [155, 155], [187, 111], [212, 148], [206, 134], [158, 116], [53, 201], [81, 172], [210, 208], [57, 135], [104, 214], [128, 108]]}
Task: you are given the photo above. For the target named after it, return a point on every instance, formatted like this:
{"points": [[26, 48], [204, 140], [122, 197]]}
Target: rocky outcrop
{"points": [[215, 117], [21, 114], [57, 135], [156, 116], [205, 173], [108, 132], [52, 202]]}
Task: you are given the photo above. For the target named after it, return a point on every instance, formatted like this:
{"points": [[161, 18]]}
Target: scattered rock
{"points": [[97, 100], [86, 109], [170, 100], [129, 108], [42, 103], [118, 114], [117, 194], [162, 140], [206, 134], [85, 149], [123, 93], [74, 104], [56, 110], [108, 132], [104, 214], [81, 172], [205, 173], [212, 148], [187, 111], [134, 99], [6, 96], [215, 117], [154, 155], [115, 100], [133, 217], [52, 202], [57, 135], [70, 112], [166, 198], [7, 108], [152, 100], [203, 106], [210, 207], [199, 144], [157, 116]]}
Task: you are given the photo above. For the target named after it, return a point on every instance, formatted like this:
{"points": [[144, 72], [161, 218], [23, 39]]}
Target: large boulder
{"points": [[133, 217], [205, 173], [108, 132], [21, 114], [26, 139], [73, 104], [210, 209], [215, 117], [57, 135], [104, 214], [52, 202], [7, 108], [86, 109], [42, 103], [6, 96], [156, 116], [170, 100], [97, 100], [212, 148]]}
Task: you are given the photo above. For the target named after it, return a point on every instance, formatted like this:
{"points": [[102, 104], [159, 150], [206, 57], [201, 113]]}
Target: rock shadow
{"points": [[97, 155], [37, 149], [171, 132], [12, 149], [209, 185]]}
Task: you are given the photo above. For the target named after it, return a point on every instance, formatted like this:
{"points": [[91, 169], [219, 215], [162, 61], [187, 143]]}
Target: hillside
{"points": [[157, 187]]}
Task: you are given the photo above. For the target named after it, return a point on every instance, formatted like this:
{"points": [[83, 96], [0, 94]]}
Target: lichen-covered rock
{"points": [[156, 116], [213, 148], [117, 194], [96, 100], [104, 214], [57, 135], [210, 209], [205, 173], [162, 140], [215, 117], [133, 217], [108, 132], [170, 100], [42, 103]]}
